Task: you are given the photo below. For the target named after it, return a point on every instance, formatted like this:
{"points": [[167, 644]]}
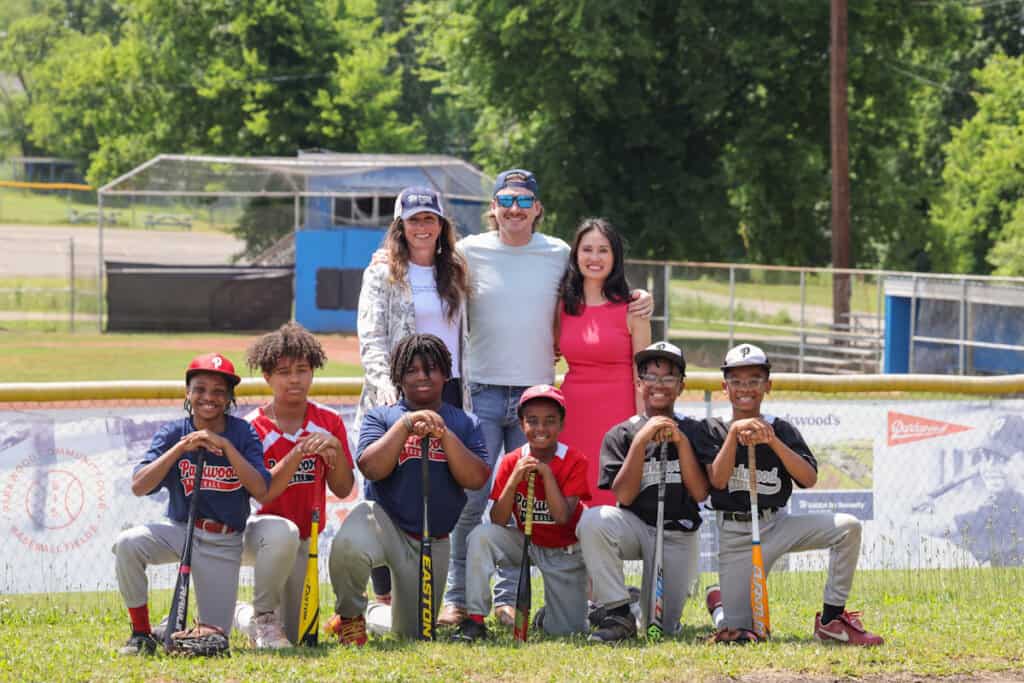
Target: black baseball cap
{"points": [[662, 350]]}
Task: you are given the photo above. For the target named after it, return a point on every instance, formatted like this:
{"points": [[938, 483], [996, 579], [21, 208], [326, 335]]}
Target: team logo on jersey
{"points": [[909, 428], [768, 481], [215, 477], [412, 450], [305, 473], [541, 512]]}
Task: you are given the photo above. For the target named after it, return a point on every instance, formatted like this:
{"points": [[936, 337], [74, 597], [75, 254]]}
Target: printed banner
{"points": [[935, 484]]}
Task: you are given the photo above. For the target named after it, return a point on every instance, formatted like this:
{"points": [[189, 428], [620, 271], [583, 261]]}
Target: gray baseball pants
{"points": [[610, 535], [215, 562], [783, 533], [271, 545], [492, 546], [369, 538]]}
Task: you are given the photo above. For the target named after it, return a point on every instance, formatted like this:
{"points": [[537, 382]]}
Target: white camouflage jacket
{"points": [[386, 315]]}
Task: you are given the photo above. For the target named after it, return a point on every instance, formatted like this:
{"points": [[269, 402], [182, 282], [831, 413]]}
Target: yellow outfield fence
{"points": [[932, 466], [20, 392]]}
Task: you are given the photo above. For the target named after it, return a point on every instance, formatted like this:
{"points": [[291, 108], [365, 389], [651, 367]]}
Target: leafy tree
{"points": [[982, 207], [701, 129]]}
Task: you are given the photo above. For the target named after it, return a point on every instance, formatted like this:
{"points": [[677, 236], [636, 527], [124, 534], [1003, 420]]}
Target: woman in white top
{"points": [[421, 288]]}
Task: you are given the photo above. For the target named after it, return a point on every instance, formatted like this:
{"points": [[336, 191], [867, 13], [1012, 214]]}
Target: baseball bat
{"points": [[426, 552], [655, 623], [758, 578], [179, 601], [524, 591], [309, 610]]}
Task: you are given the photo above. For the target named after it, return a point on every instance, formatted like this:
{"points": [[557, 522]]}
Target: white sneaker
{"points": [[267, 633], [244, 614], [378, 618]]}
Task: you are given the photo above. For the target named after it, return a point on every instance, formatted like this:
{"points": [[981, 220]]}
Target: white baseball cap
{"points": [[746, 355]]}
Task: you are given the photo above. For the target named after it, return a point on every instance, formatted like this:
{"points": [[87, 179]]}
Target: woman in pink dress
{"points": [[598, 337]]}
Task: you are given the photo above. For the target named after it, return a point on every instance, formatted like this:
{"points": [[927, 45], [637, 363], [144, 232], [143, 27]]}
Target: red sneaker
{"points": [[349, 631], [846, 629]]}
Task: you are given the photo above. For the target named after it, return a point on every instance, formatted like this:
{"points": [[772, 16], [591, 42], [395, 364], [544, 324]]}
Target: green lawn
{"points": [[937, 623], [30, 207], [60, 356], [864, 297]]}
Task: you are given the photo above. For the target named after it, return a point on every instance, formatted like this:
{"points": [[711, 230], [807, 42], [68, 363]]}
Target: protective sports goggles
{"points": [[524, 201]]}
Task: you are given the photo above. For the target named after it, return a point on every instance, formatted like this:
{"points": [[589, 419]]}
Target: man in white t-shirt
{"points": [[515, 273]]}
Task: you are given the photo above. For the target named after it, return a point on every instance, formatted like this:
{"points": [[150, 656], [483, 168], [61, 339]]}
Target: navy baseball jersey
{"points": [[401, 492], [223, 497]]}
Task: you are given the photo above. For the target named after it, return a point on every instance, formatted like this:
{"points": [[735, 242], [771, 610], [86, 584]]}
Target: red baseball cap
{"points": [[541, 391], [215, 363]]}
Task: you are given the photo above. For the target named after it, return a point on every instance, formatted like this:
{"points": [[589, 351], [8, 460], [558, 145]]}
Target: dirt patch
{"points": [[789, 677]]}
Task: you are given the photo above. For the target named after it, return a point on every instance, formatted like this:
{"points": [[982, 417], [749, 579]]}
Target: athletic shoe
{"points": [[267, 633], [378, 618], [713, 600], [470, 631], [733, 636], [846, 629], [349, 631], [614, 628], [506, 615], [160, 629], [596, 613], [244, 617], [451, 615], [538, 619], [139, 644]]}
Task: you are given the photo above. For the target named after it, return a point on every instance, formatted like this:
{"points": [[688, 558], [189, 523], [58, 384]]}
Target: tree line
{"points": [[699, 128]]}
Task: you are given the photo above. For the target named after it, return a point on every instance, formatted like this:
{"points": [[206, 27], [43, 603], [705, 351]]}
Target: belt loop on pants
{"points": [[212, 526]]}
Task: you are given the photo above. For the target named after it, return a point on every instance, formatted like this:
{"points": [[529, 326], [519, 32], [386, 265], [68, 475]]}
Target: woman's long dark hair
{"points": [[615, 288], [450, 270]]}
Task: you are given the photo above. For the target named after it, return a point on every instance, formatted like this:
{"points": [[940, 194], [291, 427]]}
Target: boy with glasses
{"points": [[630, 467], [782, 458]]}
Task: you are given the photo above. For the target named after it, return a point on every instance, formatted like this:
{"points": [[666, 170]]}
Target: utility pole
{"points": [[840, 136]]}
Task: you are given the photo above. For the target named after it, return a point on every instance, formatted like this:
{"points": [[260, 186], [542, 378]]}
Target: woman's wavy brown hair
{"points": [[450, 270]]}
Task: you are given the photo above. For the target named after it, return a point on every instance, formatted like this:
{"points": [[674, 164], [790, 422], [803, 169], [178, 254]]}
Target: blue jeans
{"points": [[495, 406]]}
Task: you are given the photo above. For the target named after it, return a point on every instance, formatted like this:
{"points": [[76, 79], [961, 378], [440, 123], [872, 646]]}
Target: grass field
{"points": [[960, 624], [59, 356], [42, 208]]}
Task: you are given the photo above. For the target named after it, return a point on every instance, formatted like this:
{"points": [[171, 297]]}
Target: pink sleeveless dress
{"points": [[599, 390]]}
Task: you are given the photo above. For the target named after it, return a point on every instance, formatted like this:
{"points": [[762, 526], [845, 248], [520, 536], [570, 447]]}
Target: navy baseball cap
{"points": [[414, 200], [517, 177]]}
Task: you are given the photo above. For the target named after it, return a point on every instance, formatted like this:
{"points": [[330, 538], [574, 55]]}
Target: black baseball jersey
{"points": [[681, 512], [774, 484]]}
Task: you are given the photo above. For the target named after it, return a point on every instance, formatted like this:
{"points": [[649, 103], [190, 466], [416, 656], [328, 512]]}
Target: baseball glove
{"points": [[733, 636], [203, 640]]}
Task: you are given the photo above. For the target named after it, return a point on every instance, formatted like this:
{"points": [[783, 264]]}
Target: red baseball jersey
{"points": [[303, 492], [570, 469]]}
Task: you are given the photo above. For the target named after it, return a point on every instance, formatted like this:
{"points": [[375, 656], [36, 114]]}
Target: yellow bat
{"points": [[758, 578], [309, 610]]}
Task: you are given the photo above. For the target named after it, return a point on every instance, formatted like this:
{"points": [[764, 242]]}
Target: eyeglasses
{"points": [[752, 383], [660, 380], [524, 201]]}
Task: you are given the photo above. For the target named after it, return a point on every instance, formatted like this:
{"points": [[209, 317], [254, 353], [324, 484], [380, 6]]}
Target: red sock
{"points": [[478, 618], [140, 619]]}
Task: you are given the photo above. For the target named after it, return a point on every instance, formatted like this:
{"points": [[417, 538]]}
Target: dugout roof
{"points": [[311, 174]]}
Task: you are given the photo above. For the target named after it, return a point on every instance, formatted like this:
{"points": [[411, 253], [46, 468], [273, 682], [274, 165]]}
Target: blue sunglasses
{"points": [[524, 201]]}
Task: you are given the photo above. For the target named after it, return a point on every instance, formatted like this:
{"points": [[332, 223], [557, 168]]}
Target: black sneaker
{"points": [[538, 619], [615, 628], [470, 631], [139, 644]]}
